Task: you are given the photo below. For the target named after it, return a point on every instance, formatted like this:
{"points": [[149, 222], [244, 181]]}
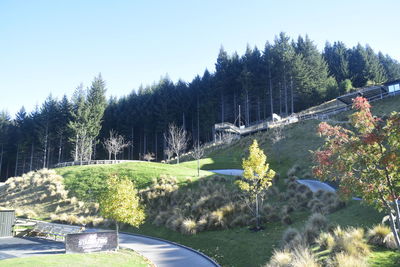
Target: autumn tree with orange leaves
{"points": [[364, 159]]}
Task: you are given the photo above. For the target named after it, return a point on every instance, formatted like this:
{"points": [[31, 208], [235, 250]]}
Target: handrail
{"points": [[324, 114], [91, 162]]}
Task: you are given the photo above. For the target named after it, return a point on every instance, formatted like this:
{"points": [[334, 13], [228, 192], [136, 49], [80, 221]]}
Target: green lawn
{"points": [[100, 259], [83, 181], [232, 247], [300, 138], [384, 258], [240, 246]]}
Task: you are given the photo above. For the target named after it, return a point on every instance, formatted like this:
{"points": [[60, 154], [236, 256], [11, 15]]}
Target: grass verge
{"points": [[99, 259]]}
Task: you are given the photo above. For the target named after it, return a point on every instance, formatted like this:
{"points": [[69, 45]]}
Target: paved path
{"points": [[161, 253], [315, 185], [165, 254], [12, 247], [233, 172]]}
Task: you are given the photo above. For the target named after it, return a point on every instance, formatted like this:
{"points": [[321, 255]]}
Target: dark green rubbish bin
{"points": [[7, 219]]}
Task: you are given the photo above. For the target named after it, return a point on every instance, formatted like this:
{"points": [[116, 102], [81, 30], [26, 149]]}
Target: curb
{"points": [[177, 244]]}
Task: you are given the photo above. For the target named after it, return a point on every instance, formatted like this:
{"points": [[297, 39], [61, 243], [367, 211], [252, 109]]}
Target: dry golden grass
{"points": [[42, 195]]}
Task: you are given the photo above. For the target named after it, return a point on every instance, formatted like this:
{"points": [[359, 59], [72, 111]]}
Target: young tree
{"points": [[277, 135], [197, 154], [177, 140], [115, 144], [364, 160], [149, 156], [169, 153], [120, 202], [257, 177]]}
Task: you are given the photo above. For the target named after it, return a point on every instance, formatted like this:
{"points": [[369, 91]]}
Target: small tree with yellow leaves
{"points": [[120, 202], [257, 177]]}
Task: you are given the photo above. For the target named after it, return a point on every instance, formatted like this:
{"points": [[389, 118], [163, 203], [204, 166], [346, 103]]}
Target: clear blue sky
{"points": [[53, 46]]}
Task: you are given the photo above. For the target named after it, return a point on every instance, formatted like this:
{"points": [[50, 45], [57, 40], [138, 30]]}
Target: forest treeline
{"points": [[286, 76]]}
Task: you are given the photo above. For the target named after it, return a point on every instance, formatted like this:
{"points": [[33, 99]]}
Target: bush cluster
{"points": [[339, 246], [216, 203], [300, 197]]}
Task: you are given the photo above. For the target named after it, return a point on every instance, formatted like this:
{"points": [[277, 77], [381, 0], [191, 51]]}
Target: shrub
{"points": [[350, 241], [303, 257], [325, 240], [377, 234], [314, 225], [346, 260], [291, 238], [280, 258], [174, 222], [286, 220], [189, 227], [317, 221], [202, 223], [389, 241]]}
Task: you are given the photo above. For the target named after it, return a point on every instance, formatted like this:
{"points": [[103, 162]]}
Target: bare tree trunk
{"points": [[198, 167], [48, 155], [291, 93], [258, 108], [392, 223], [285, 90], [76, 148], [198, 120], [94, 150], [257, 215], [1, 158], [144, 144], [31, 163], [397, 211], [280, 99], [45, 146], [156, 144], [234, 106], [222, 108], [16, 162], [23, 163], [270, 90], [59, 149], [131, 146], [117, 230], [247, 108], [394, 230]]}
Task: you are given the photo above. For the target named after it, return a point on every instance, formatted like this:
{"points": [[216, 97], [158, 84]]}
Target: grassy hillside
{"points": [[295, 148], [239, 246], [235, 246], [83, 181]]}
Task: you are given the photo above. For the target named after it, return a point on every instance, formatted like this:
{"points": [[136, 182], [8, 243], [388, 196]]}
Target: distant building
{"points": [[372, 92], [393, 86]]}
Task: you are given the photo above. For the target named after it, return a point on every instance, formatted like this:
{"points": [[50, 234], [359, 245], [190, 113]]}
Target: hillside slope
{"points": [[294, 149]]}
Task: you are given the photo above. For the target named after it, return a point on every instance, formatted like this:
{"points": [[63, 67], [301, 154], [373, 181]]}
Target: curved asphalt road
{"points": [[164, 253], [160, 252]]}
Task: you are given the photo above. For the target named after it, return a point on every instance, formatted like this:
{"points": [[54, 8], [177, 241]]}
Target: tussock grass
{"points": [[377, 235]]}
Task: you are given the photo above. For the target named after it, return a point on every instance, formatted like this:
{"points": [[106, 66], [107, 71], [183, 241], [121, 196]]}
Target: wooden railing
{"points": [[91, 162], [319, 115]]}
